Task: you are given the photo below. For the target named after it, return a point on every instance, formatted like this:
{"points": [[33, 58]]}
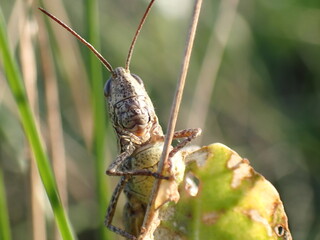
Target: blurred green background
{"points": [[253, 84]]}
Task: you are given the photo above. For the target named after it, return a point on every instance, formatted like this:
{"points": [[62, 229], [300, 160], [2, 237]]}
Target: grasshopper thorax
{"points": [[130, 107]]}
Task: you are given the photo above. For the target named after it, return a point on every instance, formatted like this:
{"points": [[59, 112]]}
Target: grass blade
{"points": [[99, 119], [5, 232], [33, 136]]}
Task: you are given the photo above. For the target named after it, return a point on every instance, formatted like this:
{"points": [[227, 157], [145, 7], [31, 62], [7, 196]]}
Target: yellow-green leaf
{"points": [[233, 201]]}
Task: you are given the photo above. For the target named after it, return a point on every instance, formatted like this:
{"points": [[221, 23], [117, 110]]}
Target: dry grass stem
{"points": [[28, 65], [151, 215], [73, 68]]}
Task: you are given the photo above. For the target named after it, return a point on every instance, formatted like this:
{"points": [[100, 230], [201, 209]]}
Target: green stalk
{"points": [[95, 75], [32, 134], [5, 233]]}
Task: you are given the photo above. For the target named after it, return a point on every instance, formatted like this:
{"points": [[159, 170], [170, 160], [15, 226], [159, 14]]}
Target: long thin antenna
{"points": [[137, 34], [101, 58]]}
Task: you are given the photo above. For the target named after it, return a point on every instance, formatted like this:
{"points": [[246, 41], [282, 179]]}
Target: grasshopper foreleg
{"points": [[117, 168], [189, 134]]}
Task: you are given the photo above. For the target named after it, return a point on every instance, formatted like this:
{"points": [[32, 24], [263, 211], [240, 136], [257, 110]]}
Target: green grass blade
{"points": [[99, 118], [5, 233], [33, 136]]}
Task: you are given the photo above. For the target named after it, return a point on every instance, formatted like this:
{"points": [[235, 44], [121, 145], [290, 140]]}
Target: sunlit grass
{"points": [[33, 136]]}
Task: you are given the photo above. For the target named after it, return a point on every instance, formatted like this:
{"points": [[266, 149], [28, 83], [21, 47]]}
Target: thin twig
{"points": [[173, 114]]}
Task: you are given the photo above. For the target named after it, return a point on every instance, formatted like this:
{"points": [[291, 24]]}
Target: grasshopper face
{"points": [[130, 107]]}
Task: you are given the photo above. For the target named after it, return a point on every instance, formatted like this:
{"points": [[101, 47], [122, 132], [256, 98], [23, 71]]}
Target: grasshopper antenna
{"points": [[101, 58], [137, 34]]}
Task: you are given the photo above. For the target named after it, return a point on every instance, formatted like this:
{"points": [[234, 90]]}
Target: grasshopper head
{"points": [[130, 107]]}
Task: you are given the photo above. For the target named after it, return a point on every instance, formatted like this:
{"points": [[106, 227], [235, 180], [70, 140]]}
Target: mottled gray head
{"points": [[130, 107]]}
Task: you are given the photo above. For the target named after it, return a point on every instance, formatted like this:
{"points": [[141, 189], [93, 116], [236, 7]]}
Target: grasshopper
{"points": [[139, 134]]}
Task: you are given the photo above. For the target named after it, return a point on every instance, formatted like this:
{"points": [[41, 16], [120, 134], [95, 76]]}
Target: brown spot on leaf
{"points": [[256, 216], [234, 161], [191, 184], [210, 218], [241, 169]]}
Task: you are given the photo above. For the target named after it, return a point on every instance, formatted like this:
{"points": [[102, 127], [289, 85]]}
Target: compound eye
{"points": [[107, 88], [136, 77]]}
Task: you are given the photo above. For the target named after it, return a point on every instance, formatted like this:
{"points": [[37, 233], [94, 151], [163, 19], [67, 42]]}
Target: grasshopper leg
{"points": [[116, 168], [189, 134], [112, 207]]}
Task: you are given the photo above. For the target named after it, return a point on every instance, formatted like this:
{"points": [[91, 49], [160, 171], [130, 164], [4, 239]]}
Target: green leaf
{"points": [[233, 201]]}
